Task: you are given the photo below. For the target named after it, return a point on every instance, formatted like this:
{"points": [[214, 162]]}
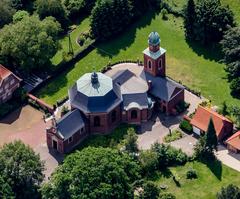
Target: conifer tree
{"points": [[211, 137], [189, 19]]}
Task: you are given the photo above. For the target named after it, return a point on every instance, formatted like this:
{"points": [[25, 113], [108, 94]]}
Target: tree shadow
{"points": [[11, 117], [210, 52], [123, 40], [215, 166]]}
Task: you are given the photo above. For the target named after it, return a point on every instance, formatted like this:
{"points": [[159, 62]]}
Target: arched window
{"points": [[160, 64], [149, 64], [96, 121], [134, 114], [114, 116]]}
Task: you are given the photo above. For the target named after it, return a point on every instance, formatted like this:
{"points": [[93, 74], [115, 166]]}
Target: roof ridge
{"points": [[233, 136], [215, 113]]}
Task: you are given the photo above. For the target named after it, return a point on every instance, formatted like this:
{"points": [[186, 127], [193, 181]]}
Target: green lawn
{"points": [[82, 27], [209, 182], [196, 67]]}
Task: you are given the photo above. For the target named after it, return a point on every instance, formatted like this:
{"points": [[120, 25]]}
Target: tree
{"points": [[52, 8], [6, 12], [19, 15], [5, 189], [224, 109], [30, 43], [130, 141], [229, 192], [235, 111], [149, 161], [211, 136], [78, 7], [190, 20], [22, 169], [22, 4], [235, 87], [150, 190], [109, 18], [211, 21], [93, 173], [231, 50]]}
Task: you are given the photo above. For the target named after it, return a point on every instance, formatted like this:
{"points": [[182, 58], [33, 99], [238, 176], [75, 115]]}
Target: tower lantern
{"points": [[154, 56]]}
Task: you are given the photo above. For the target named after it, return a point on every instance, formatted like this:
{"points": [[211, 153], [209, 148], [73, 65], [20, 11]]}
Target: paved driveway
{"points": [[228, 158], [26, 124]]}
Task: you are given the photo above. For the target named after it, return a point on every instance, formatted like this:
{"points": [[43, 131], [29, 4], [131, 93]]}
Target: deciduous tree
{"points": [[22, 169], [93, 173], [29, 43], [229, 192]]}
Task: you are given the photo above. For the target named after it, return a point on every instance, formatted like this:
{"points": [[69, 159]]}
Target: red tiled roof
{"points": [[4, 72], [234, 140], [202, 117]]}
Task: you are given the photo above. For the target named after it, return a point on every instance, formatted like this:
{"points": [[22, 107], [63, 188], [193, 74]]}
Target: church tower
{"points": [[154, 56]]}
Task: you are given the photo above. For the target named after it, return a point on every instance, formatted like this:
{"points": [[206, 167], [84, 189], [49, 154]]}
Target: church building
{"points": [[127, 93]]}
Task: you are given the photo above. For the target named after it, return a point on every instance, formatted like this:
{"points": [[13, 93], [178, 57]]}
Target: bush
{"points": [[235, 87], [166, 196], [182, 106], [164, 13], [229, 192], [149, 161], [169, 156], [64, 110], [150, 190], [175, 135], [186, 126], [191, 174]]}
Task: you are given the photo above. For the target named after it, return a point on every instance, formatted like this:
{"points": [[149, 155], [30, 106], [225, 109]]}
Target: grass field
{"points": [[195, 66], [83, 26], [210, 180]]}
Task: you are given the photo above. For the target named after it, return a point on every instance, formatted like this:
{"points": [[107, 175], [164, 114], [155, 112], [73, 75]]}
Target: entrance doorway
{"points": [[55, 144]]}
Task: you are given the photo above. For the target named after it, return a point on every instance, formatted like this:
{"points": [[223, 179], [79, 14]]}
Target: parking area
{"points": [[27, 124], [158, 127]]}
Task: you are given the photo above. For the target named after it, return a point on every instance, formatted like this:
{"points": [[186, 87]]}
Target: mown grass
{"points": [[193, 65], [82, 27], [211, 177]]}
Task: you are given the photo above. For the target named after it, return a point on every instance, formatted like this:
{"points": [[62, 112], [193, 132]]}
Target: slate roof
{"points": [[202, 117], [154, 55], [234, 140], [69, 124], [129, 82], [136, 100], [163, 88], [90, 98]]}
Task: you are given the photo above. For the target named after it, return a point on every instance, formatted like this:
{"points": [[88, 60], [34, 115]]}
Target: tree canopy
{"points": [[208, 22], [229, 192], [52, 8], [29, 43], [6, 12], [93, 173], [109, 18], [78, 7], [21, 170]]}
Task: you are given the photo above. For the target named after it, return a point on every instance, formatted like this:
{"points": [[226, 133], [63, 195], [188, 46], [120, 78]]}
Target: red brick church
{"points": [[127, 93]]}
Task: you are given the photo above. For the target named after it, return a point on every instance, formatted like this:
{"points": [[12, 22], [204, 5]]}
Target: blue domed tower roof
{"points": [[154, 39]]}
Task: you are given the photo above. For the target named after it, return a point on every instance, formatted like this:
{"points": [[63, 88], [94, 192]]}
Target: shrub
{"points": [[175, 135], [182, 106], [64, 110], [191, 174], [164, 13], [176, 177], [185, 126], [229, 192], [169, 156], [166, 196], [235, 87], [150, 190], [149, 161]]}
